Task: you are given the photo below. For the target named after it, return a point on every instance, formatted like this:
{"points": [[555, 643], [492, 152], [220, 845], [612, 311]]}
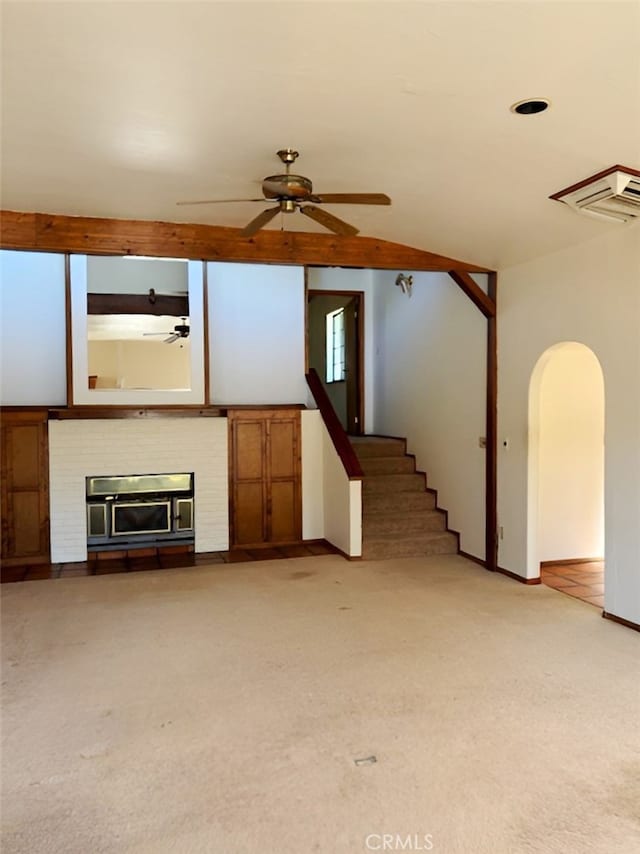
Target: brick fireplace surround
{"points": [[81, 448]]}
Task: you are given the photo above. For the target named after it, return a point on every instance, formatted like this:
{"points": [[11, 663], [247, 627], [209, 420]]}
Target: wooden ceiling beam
{"points": [[475, 293], [158, 305], [95, 236]]}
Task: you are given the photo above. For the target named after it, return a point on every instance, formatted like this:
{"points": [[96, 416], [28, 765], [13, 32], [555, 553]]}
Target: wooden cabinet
{"points": [[25, 487], [265, 485]]}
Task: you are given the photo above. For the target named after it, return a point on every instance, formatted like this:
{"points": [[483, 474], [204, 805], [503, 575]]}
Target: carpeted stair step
{"points": [[399, 516], [388, 465], [375, 502], [397, 545], [378, 446], [377, 483], [420, 522]]}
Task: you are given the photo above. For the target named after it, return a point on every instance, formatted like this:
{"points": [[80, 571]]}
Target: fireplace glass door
{"points": [[148, 517]]}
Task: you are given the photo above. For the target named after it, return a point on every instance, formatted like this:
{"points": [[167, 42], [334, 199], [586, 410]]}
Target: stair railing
{"points": [[336, 431]]}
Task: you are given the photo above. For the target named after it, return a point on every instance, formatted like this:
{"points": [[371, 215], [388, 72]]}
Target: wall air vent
{"points": [[612, 194]]}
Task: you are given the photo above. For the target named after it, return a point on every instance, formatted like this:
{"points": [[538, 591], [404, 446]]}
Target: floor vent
{"points": [[612, 194]]}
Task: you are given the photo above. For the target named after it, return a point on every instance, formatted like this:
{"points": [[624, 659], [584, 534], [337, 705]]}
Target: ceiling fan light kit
{"points": [[295, 192]]}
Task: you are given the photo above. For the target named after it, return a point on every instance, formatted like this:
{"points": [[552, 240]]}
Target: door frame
{"points": [[358, 297]]}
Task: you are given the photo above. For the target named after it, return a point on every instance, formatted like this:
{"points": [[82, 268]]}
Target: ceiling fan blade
{"points": [[219, 201], [338, 226], [352, 198], [261, 220], [173, 337]]}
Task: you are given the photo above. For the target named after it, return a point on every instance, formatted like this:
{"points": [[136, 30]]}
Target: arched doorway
{"points": [[566, 472]]}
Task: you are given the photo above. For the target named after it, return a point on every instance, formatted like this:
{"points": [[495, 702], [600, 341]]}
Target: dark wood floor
{"points": [[157, 559], [584, 581]]}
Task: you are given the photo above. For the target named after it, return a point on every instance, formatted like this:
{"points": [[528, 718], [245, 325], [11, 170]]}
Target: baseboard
{"points": [[439, 509], [32, 560], [344, 554], [569, 561], [517, 577], [324, 542], [500, 569], [628, 623], [475, 559]]}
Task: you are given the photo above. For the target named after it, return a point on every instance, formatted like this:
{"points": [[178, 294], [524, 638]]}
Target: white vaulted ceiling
{"points": [[120, 109]]}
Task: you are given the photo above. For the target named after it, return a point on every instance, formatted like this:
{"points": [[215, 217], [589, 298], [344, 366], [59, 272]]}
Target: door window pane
{"points": [[335, 346]]}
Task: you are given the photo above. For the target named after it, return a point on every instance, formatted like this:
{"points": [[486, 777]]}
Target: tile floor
{"points": [[162, 559], [584, 581]]}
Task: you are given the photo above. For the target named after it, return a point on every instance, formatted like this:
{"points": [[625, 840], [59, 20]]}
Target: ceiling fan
{"points": [[181, 330], [295, 192]]}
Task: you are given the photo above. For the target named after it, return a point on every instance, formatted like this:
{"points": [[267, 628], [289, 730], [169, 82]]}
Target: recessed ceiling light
{"points": [[529, 106]]}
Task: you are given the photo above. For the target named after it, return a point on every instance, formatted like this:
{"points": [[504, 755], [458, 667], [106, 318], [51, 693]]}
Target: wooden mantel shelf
{"points": [[72, 413], [264, 406], [86, 412]]}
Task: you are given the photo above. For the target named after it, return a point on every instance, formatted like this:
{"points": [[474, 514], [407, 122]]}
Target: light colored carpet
{"points": [[220, 710]]}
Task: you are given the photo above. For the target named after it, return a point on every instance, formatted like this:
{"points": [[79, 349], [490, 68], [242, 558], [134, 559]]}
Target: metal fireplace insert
{"points": [[134, 511]]}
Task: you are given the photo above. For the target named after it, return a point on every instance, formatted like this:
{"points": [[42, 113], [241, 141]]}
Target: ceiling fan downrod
{"points": [[288, 156]]}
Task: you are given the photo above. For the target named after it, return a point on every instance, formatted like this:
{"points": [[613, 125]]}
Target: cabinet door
{"points": [[248, 496], [265, 489], [284, 516], [25, 487]]}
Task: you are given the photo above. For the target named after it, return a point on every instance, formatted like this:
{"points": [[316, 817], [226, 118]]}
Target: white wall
{"points": [[567, 420], [430, 373], [589, 294], [140, 364], [312, 430], [32, 329], [331, 503], [339, 279], [256, 333], [136, 275], [342, 502]]}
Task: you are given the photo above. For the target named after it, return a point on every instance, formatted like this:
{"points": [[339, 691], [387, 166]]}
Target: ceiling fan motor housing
{"points": [[287, 186]]}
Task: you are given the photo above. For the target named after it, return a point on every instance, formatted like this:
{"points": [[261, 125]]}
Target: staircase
{"points": [[399, 516]]}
